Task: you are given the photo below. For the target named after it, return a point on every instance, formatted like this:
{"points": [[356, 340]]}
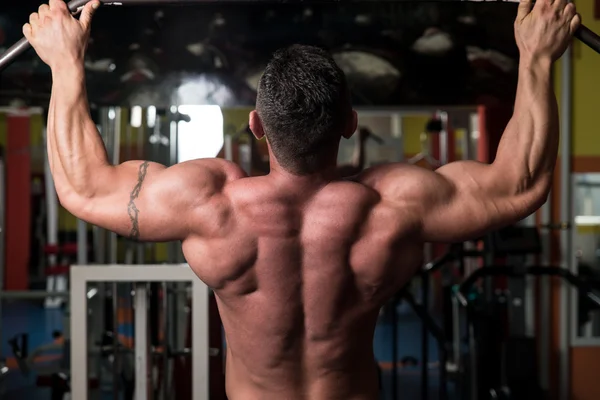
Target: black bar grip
{"points": [[23, 45], [584, 34], [588, 37]]}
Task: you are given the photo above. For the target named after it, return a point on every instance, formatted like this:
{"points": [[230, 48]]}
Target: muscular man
{"points": [[300, 260]]}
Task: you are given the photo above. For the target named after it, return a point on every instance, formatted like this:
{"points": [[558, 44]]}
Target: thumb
{"points": [[87, 13], [525, 7]]}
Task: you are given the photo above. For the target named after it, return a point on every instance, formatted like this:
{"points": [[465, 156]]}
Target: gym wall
{"points": [[585, 361]]}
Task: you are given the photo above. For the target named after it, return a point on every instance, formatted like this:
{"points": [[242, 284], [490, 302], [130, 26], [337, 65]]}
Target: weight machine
{"points": [[495, 366]]}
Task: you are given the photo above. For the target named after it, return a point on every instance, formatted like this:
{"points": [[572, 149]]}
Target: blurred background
{"points": [[433, 82]]}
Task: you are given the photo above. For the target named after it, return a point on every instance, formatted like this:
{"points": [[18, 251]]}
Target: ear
{"points": [[256, 125], [352, 126]]}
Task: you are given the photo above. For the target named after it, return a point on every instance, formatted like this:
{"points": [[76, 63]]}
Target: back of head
{"points": [[304, 105]]}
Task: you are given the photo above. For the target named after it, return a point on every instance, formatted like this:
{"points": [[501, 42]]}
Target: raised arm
{"points": [[138, 199], [465, 199]]}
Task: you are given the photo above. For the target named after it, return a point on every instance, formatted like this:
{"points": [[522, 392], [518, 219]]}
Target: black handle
{"points": [[23, 45], [584, 34], [588, 37], [581, 285]]}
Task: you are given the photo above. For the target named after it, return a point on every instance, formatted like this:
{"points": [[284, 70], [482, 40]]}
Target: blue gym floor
{"points": [[39, 323]]}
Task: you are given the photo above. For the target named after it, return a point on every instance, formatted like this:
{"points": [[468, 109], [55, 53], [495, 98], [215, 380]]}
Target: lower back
{"points": [[358, 381], [272, 354]]}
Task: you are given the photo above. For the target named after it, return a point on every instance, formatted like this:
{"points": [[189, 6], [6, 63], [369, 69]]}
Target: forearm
{"points": [[76, 152], [529, 146]]}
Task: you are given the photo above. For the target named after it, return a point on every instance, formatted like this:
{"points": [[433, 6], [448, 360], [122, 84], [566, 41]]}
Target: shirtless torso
{"points": [[300, 277], [302, 263]]}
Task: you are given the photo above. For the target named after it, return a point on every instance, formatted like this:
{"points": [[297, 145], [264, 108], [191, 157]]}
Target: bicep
{"points": [[146, 201], [459, 201]]}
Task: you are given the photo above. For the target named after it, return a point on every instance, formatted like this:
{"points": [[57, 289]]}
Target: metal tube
{"points": [[200, 340], [31, 295], [166, 345], [82, 248], [584, 34], [79, 338], [397, 132], [425, 339], [473, 386], [115, 150], [114, 142], [443, 136], [245, 157], [81, 275], [566, 216], [116, 354], [544, 300], [228, 148], [172, 247], [142, 372], [2, 215], [395, 346], [51, 225], [528, 289]]}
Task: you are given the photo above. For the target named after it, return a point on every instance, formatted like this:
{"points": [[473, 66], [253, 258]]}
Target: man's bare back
{"points": [[301, 261], [300, 276]]}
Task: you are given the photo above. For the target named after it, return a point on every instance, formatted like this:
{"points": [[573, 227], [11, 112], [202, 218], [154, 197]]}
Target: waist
{"points": [[295, 381]]}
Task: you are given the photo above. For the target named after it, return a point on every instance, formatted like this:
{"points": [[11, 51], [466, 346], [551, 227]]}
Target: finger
{"points": [[559, 4], [56, 5], [542, 4], [43, 11], [34, 18], [27, 31], [87, 13], [525, 7], [569, 11], [575, 23]]}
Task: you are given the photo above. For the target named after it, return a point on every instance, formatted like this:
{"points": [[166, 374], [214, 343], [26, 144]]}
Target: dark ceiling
{"points": [[401, 53]]}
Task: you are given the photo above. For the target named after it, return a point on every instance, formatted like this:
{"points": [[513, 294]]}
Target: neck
{"points": [[315, 180]]}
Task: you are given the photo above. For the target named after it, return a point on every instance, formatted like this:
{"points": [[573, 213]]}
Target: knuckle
{"points": [[570, 8]]}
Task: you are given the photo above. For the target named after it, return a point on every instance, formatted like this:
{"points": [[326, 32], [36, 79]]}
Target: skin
{"points": [[354, 167], [301, 264]]}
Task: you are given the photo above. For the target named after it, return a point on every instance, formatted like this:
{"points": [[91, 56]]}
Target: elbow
{"points": [[75, 203], [535, 194], [72, 202]]}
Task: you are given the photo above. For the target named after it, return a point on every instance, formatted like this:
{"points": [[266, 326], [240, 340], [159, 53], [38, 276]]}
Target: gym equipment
{"points": [[516, 377], [444, 334], [584, 34], [81, 276], [53, 374], [503, 362]]}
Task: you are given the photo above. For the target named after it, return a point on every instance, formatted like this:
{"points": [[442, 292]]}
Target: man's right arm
{"points": [[465, 199]]}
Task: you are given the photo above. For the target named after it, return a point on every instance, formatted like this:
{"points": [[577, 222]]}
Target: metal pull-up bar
{"points": [[584, 34]]}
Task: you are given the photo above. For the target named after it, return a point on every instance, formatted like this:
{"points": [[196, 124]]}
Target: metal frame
{"points": [[566, 215], [544, 299], [576, 339], [82, 275]]}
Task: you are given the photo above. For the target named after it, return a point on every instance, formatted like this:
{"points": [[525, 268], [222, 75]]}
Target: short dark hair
{"points": [[304, 104]]}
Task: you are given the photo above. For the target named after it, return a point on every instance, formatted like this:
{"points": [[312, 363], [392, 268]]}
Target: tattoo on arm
{"points": [[132, 209]]}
